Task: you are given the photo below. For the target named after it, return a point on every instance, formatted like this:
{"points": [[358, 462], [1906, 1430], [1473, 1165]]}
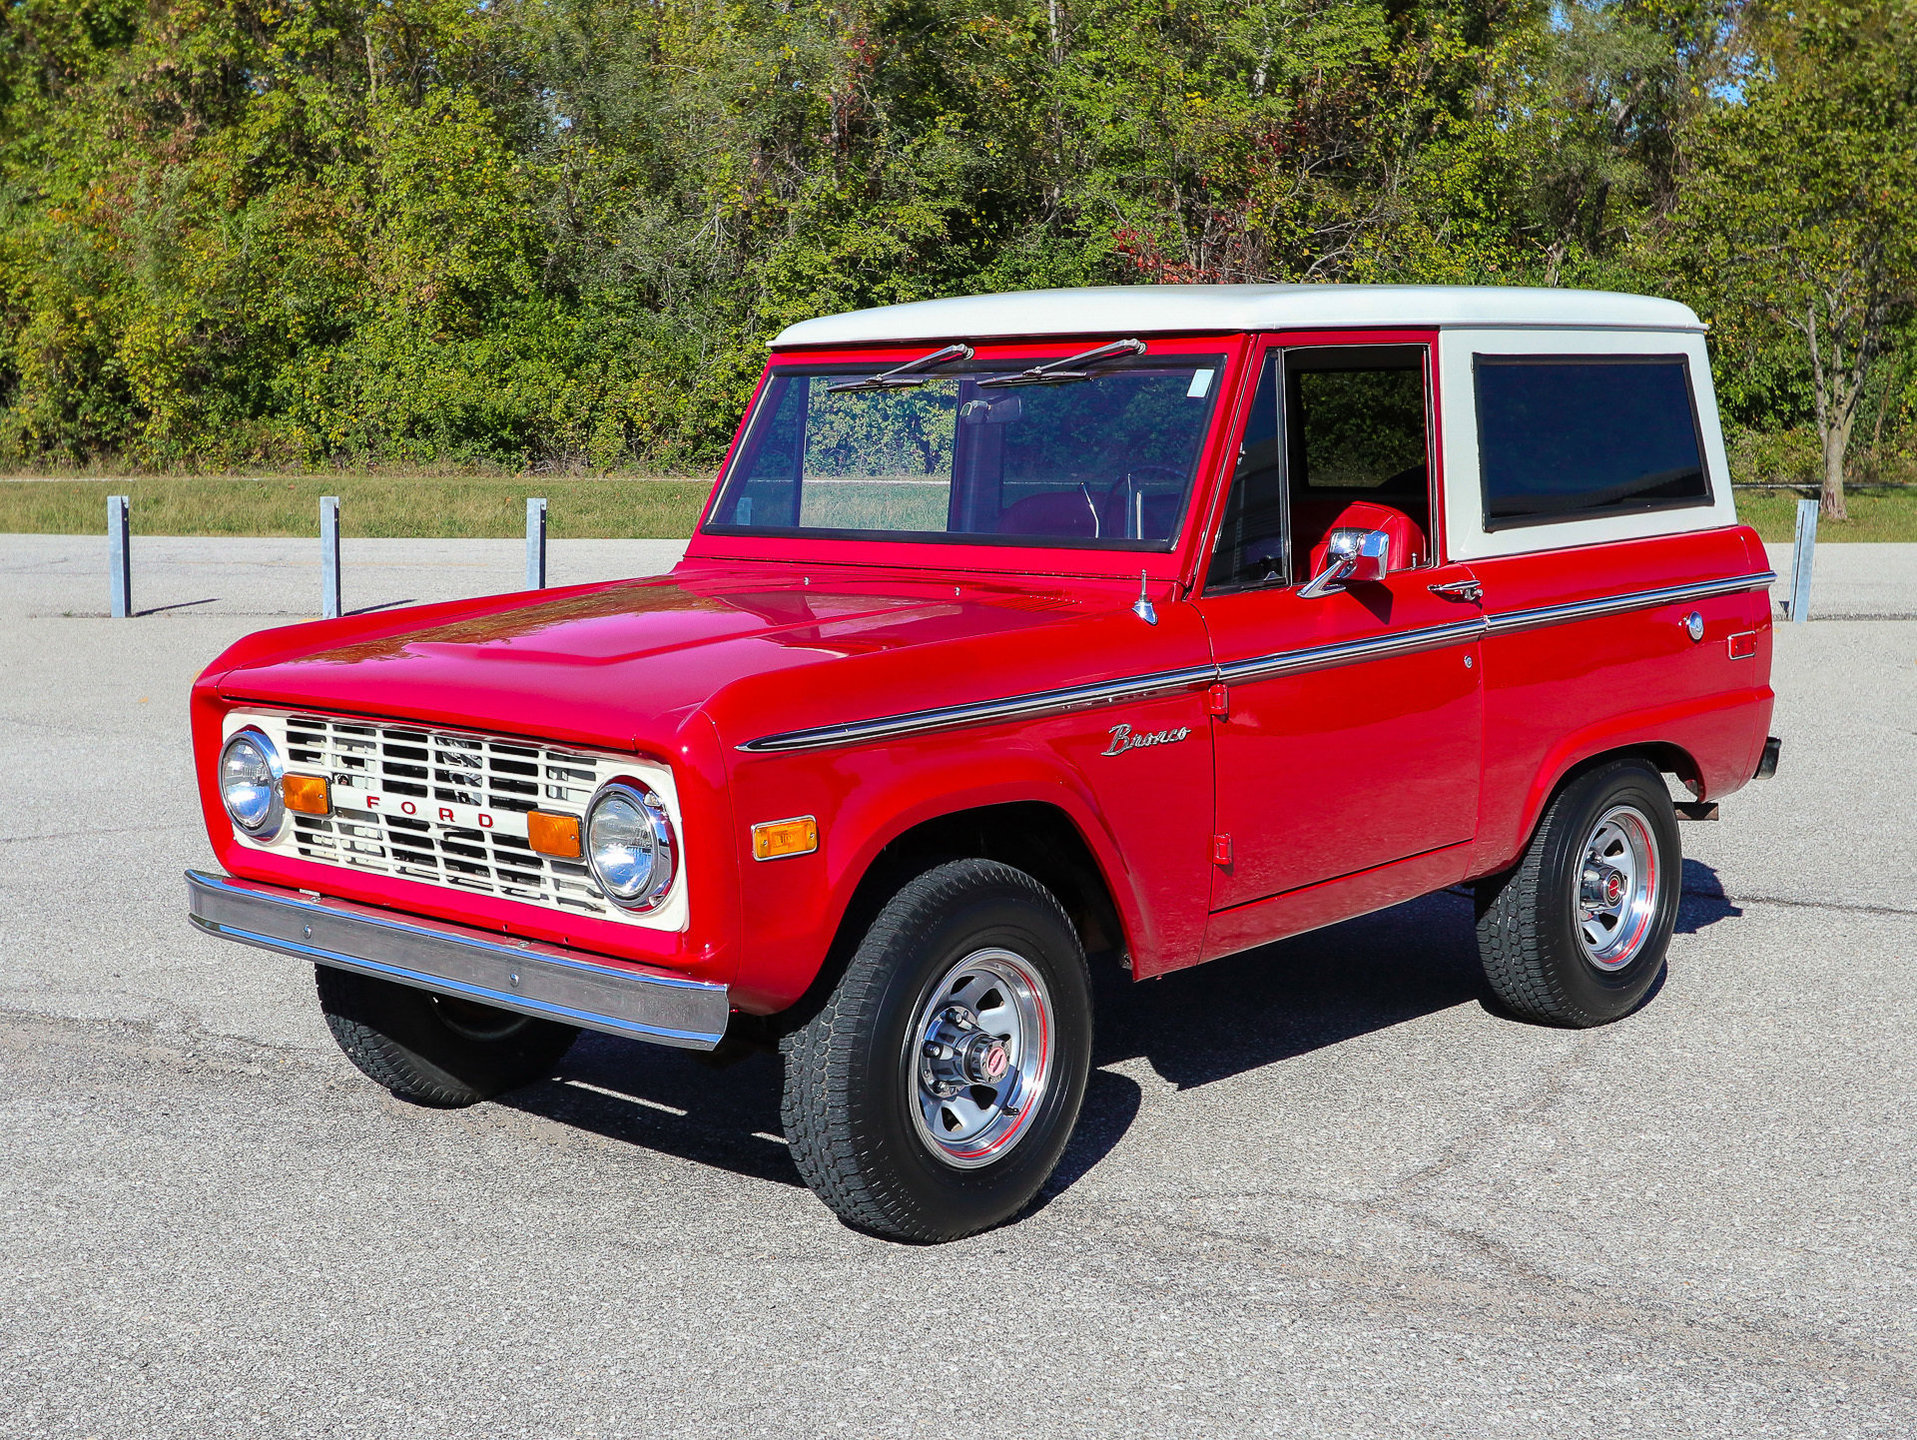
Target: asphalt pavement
{"points": [[1320, 1189]]}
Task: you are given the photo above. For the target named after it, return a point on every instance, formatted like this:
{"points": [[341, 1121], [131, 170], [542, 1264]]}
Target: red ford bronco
{"points": [[1024, 633]]}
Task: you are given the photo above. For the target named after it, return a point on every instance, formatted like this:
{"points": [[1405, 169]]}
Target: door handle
{"points": [[1458, 590]]}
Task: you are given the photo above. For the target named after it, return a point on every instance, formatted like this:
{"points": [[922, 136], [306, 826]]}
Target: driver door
{"points": [[1352, 720]]}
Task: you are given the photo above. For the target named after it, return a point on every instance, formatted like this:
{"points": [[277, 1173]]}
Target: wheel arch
{"points": [[1666, 756], [1036, 836]]}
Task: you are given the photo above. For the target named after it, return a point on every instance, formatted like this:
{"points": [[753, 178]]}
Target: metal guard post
{"points": [[329, 556], [119, 556], [535, 544], [1801, 561]]}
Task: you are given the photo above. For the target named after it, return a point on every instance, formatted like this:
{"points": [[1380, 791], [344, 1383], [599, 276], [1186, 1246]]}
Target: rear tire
{"points": [[934, 1091], [432, 1048], [1576, 934]]}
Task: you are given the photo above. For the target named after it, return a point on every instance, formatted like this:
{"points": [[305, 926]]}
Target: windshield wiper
{"points": [[1058, 372], [905, 376]]}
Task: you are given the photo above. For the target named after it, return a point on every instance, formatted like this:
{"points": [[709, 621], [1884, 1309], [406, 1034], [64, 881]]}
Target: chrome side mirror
{"points": [[1352, 557]]}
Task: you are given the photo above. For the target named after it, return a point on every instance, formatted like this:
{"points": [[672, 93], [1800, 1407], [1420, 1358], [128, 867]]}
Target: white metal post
{"points": [[329, 556], [535, 544], [1801, 561], [119, 556]]}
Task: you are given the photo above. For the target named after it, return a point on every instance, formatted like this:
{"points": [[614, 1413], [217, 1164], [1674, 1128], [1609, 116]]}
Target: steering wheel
{"points": [[1132, 479]]}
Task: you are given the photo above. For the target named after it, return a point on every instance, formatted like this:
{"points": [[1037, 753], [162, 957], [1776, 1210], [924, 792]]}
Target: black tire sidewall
{"points": [[881, 1065], [413, 1051], [1604, 995]]}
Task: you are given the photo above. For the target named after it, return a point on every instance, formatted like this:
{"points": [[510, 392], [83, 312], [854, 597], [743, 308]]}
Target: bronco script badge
{"points": [[1123, 739]]}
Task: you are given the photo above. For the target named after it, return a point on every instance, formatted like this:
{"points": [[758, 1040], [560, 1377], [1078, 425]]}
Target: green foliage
{"points": [[561, 232], [1798, 216]]}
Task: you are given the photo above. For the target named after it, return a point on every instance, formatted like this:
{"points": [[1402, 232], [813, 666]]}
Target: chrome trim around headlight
{"points": [[665, 850], [276, 767]]}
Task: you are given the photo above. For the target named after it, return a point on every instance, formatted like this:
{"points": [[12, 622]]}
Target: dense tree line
{"points": [[561, 231]]}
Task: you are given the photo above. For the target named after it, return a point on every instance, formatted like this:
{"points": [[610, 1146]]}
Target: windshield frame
{"points": [[972, 550]]}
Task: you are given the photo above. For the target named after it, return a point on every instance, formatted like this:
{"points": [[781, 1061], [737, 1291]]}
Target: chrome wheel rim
{"points": [[980, 1058], [1614, 892]]}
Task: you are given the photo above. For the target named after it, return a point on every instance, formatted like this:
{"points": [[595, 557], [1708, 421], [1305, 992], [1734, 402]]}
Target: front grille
{"points": [[455, 769]]}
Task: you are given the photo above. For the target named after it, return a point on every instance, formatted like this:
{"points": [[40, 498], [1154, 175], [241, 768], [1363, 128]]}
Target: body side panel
{"points": [[1259, 922], [1558, 694]]}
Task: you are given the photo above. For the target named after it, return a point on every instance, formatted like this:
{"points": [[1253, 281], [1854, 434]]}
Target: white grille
{"points": [[442, 767]]}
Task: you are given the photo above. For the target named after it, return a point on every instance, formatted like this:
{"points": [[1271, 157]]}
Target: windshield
{"points": [[1102, 461]]}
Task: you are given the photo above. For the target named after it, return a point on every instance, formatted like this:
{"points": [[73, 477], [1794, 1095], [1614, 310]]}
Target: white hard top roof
{"points": [[1148, 309]]}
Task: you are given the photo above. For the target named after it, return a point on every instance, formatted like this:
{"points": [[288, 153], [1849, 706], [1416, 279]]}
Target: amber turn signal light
{"points": [[553, 834], [777, 838], [307, 794]]}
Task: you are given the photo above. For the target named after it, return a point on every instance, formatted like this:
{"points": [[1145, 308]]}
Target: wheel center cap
{"points": [[1602, 889], [986, 1059], [958, 1053]]}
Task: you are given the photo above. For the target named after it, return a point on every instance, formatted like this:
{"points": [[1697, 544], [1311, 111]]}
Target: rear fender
{"points": [[1673, 737]]}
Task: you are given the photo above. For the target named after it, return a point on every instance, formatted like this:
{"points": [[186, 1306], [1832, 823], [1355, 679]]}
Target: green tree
{"points": [[1798, 214]]}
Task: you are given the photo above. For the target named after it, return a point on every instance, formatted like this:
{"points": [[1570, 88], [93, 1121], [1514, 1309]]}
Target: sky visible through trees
{"points": [[560, 232]]}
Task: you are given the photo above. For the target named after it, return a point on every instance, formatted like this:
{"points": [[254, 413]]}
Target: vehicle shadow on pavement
{"points": [[1192, 1027], [671, 1102], [1279, 1001], [1704, 902]]}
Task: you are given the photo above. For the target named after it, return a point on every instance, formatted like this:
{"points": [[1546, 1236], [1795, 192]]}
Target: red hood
{"points": [[630, 662]]}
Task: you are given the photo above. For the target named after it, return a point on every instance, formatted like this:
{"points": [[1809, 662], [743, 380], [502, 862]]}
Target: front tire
{"points": [[1576, 934], [435, 1049], [935, 1089]]}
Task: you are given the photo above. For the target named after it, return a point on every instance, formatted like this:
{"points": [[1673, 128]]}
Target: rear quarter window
{"points": [[1575, 437]]}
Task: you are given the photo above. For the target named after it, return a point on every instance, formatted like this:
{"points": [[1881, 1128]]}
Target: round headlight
{"points": [[250, 772], [629, 845]]}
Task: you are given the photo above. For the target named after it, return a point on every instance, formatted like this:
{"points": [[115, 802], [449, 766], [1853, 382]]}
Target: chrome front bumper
{"points": [[548, 981]]}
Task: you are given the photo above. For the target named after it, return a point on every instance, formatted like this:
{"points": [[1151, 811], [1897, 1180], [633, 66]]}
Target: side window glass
{"points": [[1574, 437], [1251, 539], [1360, 430], [1360, 449]]}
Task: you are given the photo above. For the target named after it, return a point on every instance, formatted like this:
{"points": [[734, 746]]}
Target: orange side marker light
{"points": [[776, 839], [553, 834]]}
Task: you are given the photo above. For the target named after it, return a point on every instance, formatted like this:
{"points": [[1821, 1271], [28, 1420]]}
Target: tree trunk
{"points": [[1836, 387], [1836, 445]]}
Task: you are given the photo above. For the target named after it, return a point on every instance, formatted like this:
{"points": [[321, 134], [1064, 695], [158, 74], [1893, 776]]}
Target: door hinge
{"points": [[1218, 700], [1221, 849]]}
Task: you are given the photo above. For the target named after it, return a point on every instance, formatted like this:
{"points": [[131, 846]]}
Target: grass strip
{"points": [[1879, 513], [370, 505], [428, 507]]}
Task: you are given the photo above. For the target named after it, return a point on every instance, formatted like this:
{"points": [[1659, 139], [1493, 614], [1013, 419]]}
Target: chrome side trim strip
{"points": [[1350, 652], [1015, 707], [1257, 667], [550, 982], [1618, 604]]}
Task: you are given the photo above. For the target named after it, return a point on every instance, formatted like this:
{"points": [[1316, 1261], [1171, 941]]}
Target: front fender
{"points": [[864, 799]]}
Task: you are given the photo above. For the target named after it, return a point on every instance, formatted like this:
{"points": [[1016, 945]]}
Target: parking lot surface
{"points": [[1319, 1189]]}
